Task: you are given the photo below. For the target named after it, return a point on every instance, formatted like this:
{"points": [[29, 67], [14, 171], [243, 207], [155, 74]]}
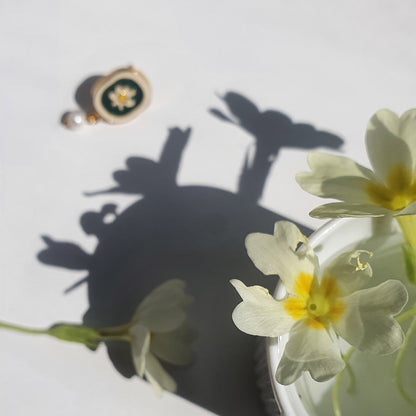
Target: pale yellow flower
{"points": [[390, 189], [319, 307]]}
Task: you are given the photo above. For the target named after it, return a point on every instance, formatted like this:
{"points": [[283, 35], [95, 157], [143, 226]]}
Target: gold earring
{"points": [[116, 98]]}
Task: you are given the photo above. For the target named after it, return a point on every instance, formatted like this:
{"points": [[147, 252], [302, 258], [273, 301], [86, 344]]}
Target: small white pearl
{"points": [[73, 120]]}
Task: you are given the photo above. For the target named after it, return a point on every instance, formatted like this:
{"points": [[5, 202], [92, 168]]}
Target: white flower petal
{"points": [[288, 371], [174, 347], [163, 309], [259, 313], [351, 270], [310, 344], [130, 103], [310, 350], [407, 131], [384, 146], [277, 254], [130, 93], [113, 97], [336, 177], [157, 376], [332, 166], [350, 189], [342, 209], [367, 321], [387, 298], [140, 341]]}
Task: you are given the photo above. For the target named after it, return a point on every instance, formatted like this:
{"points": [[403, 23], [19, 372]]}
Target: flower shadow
{"points": [[194, 233], [272, 130]]}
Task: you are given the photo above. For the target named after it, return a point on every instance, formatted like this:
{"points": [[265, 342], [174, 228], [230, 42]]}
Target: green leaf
{"points": [[76, 333]]}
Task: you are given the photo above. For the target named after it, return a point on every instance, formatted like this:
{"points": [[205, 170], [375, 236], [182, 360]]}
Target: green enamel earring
{"points": [[116, 98]]}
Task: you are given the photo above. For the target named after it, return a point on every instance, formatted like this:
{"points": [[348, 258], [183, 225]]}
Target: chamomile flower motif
{"points": [[390, 189], [159, 330], [318, 307], [122, 97]]}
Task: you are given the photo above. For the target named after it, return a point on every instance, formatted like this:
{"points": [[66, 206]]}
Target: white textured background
{"points": [[325, 63]]}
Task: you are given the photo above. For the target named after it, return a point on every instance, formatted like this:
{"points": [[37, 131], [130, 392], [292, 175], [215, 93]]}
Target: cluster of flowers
{"points": [[322, 306], [319, 306]]}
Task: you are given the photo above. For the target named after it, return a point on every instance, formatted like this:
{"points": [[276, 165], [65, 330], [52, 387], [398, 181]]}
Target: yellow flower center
{"points": [[122, 97], [316, 302], [399, 191]]}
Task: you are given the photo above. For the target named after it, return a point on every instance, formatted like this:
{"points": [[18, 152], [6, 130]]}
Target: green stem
{"points": [[406, 315], [115, 333], [351, 385], [335, 387], [23, 329], [399, 359], [115, 330], [120, 337], [76, 333], [407, 224]]}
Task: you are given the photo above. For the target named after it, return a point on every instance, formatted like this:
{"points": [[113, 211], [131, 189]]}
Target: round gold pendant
{"points": [[116, 98], [121, 96]]}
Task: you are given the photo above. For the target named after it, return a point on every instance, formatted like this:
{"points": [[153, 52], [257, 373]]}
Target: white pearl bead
{"points": [[73, 120]]}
